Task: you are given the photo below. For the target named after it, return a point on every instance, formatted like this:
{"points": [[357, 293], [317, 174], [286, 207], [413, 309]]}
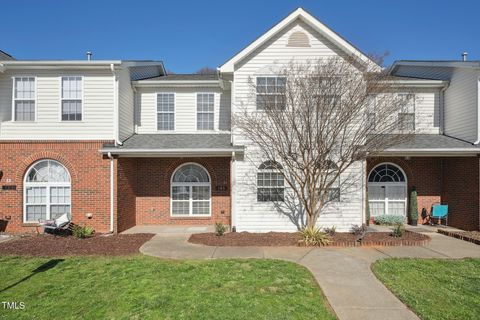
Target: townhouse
{"points": [[122, 143]]}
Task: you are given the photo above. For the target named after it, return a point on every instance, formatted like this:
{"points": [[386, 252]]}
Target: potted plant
{"points": [[413, 212]]}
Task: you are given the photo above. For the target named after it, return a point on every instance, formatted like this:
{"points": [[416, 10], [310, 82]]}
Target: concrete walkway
{"points": [[344, 274]]}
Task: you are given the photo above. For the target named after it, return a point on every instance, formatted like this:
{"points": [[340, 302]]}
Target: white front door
{"points": [[387, 191]]}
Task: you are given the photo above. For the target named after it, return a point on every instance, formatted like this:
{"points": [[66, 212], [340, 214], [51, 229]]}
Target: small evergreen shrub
{"points": [[413, 212], [330, 231], [389, 220], [314, 237], [398, 231], [220, 229], [82, 232]]}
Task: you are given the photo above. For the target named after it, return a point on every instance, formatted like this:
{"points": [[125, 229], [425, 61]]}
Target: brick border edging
{"points": [[458, 236]]}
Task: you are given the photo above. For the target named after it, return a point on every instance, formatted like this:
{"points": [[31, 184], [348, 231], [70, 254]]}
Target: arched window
{"points": [[47, 191], [270, 182], [191, 191], [386, 173]]}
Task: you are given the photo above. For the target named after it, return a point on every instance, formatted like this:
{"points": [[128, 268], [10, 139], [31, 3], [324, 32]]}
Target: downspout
{"points": [[233, 182], [442, 106], [116, 117], [364, 193], [112, 191]]}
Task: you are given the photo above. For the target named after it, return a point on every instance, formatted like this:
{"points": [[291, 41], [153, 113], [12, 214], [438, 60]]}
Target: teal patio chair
{"points": [[439, 212]]}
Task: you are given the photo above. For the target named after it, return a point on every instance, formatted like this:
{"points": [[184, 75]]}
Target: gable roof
{"points": [[313, 22]]}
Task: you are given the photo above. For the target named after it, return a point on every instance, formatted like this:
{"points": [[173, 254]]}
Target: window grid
{"points": [[190, 191], [165, 111], [406, 118], [270, 183], [205, 111], [270, 93], [47, 191], [24, 98], [72, 91]]}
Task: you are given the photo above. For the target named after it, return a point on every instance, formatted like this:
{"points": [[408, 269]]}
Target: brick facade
{"points": [[89, 172], [150, 184], [453, 181]]}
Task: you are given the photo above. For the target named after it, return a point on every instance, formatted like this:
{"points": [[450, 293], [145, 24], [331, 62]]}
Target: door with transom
{"points": [[387, 190]]}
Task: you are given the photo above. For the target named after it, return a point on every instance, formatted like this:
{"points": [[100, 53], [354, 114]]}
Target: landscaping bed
{"points": [[278, 239], [49, 245], [470, 236]]}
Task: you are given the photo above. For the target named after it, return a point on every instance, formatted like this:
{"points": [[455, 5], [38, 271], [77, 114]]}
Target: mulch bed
{"points": [[279, 239], [49, 245], [470, 236]]}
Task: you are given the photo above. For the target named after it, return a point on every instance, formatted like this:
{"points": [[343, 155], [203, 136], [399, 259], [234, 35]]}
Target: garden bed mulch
{"points": [[49, 245], [470, 236], [279, 239]]}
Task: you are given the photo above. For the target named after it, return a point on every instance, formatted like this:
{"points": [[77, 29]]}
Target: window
{"points": [[190, 191], [47, 191], [205, 107], [333, 192], [165, 111], [386, 173], [270, 93], [24, 98], [371, 116], [72, 91], [406, 118], [270, 182]]}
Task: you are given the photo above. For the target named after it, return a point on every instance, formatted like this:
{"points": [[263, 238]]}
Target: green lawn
{"points": [[434, 289], [141, 287]]}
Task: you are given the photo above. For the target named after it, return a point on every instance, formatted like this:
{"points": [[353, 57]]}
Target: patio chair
{"points": [[439, 212], [60, 225]]}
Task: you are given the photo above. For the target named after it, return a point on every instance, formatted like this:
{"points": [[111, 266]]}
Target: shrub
{"points": [[398, 231], [312, 236], [330, 231], [220, 229], [389, 220], [413, 212], [82, 232], [359, 230]]}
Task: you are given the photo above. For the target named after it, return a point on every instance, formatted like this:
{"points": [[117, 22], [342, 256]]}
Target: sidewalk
{"points": [[344, 274]]}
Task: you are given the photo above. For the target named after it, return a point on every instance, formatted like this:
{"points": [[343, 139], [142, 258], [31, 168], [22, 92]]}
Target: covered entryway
{"points": [[387, 190]]}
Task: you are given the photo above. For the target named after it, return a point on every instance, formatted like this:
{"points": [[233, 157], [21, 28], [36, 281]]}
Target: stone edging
{"points": [[458, 236], [400, 243]]}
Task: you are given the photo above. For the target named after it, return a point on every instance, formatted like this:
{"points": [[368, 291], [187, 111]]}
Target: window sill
{"points": [[29, 224], [191, 217]]}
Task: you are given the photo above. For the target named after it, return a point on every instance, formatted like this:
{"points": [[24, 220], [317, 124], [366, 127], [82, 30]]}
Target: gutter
{"points": [[157, 152], [112, 192]]}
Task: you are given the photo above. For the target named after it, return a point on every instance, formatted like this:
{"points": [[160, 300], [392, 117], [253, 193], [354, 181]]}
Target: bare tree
{"points": [[206, 70], [314, 120], [379, 58]]}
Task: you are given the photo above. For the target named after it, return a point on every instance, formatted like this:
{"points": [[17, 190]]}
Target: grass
{"points": [[139, 287], [432, 288]]}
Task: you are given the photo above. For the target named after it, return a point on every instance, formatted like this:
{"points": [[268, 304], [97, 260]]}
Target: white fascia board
{"points": [[419, 83], [176, 83], [313, 22]]}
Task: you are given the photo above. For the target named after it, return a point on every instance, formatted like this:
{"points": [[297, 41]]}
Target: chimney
{"points": [[464, 56], [89, 55]]}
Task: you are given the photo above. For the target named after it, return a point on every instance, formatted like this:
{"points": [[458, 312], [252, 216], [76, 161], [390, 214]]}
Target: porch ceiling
{"points": [[215, 144]]}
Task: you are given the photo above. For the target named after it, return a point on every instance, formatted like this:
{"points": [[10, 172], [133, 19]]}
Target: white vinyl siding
{"points": [[72, 96], [205, 111], [251, 215], [185, 109], [165, 111], [97, 107], [461, 99], [24, 98], [125, 105]]}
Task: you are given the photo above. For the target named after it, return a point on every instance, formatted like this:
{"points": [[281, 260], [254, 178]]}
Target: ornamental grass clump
{"points": [[398, 231], [220, 229], [82, 232], [312, 236]]}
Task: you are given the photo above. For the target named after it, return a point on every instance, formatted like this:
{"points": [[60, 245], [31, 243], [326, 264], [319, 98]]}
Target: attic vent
{"points": [[298, 39]]}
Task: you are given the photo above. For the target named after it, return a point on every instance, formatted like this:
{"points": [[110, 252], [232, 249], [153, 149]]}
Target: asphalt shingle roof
{"points": [[176, 141], [186, 77], [435, 141], [5, 56]]}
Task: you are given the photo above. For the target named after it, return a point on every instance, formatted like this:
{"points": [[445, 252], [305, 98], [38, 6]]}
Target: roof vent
{"points": [[464, 56], [89, 55], [298, 39]]}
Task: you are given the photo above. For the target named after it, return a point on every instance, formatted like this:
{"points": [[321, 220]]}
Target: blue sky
{"points": [[188, 35]]}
